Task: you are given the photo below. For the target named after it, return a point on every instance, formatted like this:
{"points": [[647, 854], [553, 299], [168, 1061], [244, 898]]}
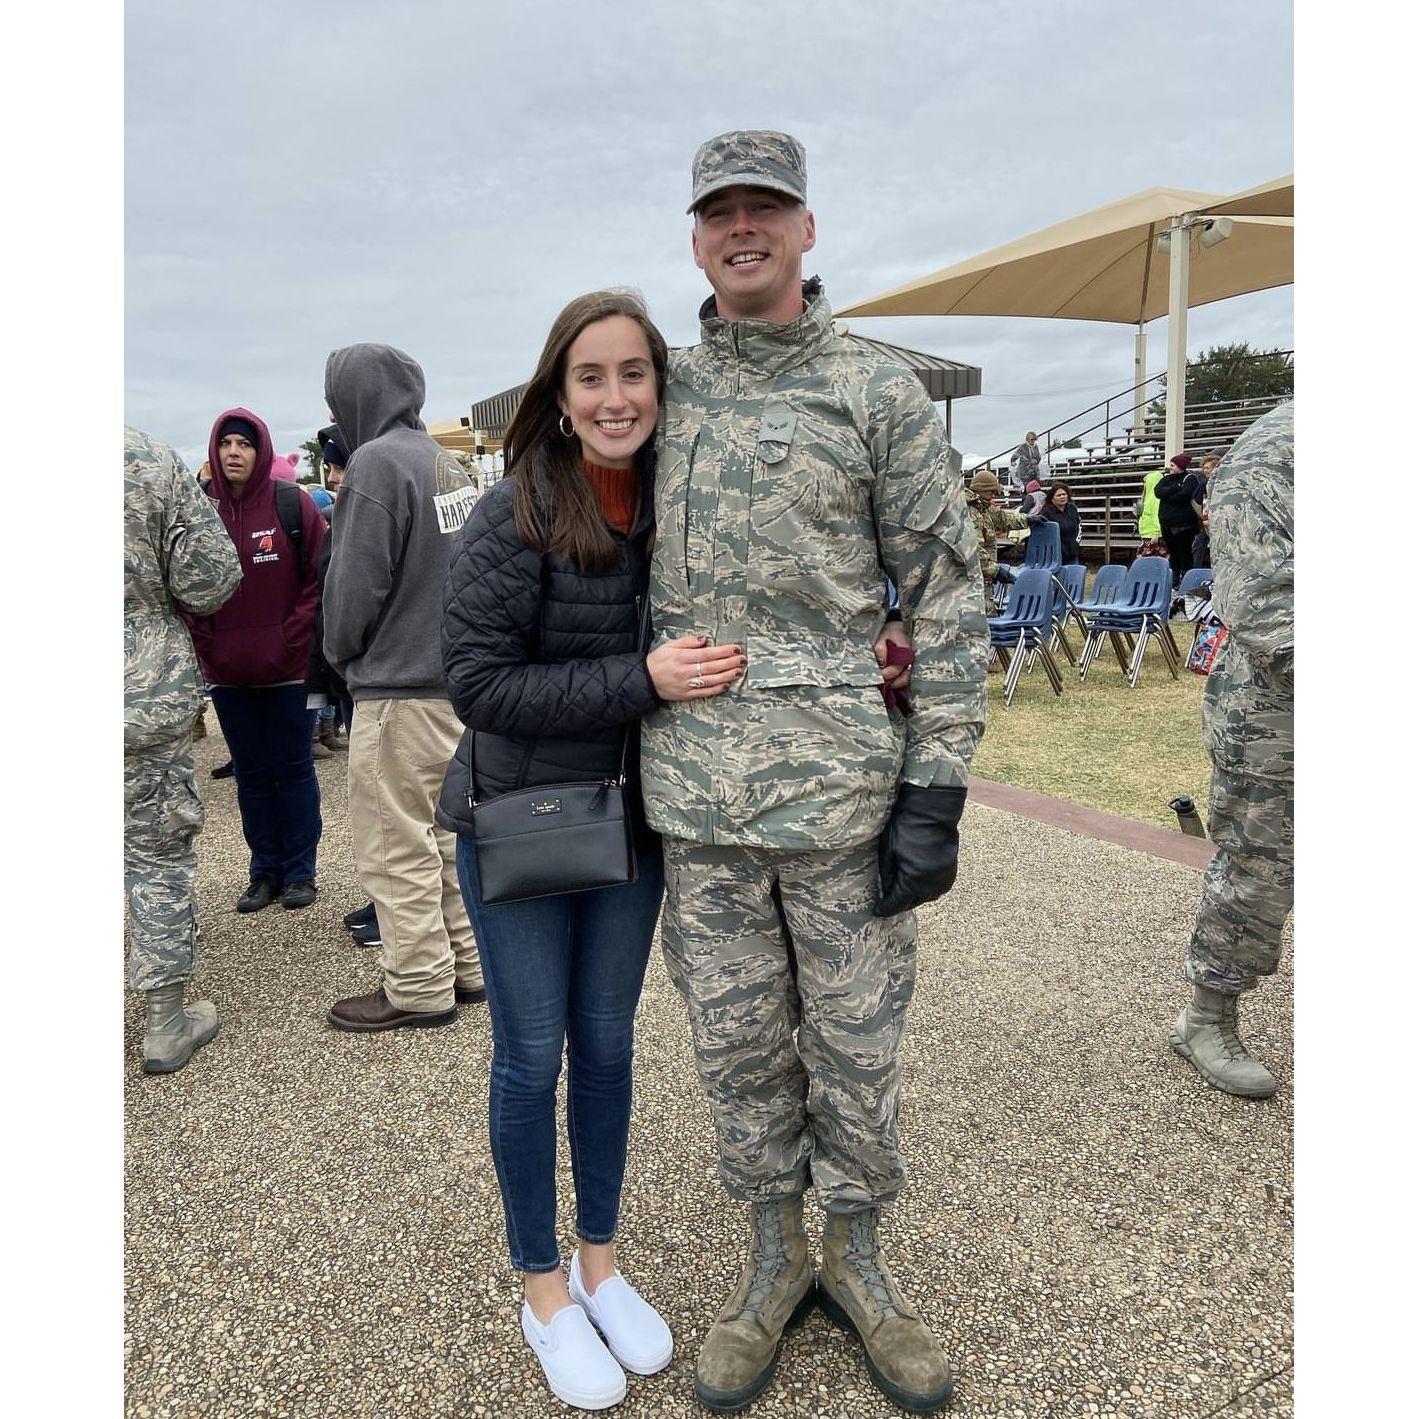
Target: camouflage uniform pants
{"points": [[162, 815], [799, 1076], [1248, 888]]}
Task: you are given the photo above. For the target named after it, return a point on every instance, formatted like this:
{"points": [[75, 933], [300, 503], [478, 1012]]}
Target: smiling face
{"points": [[609, 391], [749, 242], [238, 458]]}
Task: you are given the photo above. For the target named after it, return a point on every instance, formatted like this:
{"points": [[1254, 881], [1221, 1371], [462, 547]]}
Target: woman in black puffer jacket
{"points": [[542, 655], [1059, 509]]}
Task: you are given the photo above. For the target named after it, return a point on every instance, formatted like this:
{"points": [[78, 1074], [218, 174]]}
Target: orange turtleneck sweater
{"points": [[615, 489]]}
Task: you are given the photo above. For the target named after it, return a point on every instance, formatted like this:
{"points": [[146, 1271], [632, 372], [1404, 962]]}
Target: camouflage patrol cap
{"points": [[750, 157]]}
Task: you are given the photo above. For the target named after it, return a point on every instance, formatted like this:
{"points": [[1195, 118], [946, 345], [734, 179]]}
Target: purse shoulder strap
{"points": [[643, 645]]}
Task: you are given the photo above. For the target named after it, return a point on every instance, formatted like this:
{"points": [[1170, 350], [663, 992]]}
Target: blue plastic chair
{"points": [[1025, 629], [1068, 593], [1140, 613], [1108, 582], [1195, 580], [1041, 550]]}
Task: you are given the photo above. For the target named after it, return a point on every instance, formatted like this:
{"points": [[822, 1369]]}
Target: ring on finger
{"points": [[699, 667], [698, 683]]}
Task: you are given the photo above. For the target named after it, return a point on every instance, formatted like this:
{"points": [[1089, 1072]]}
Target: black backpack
{"points": [[288, 514]]}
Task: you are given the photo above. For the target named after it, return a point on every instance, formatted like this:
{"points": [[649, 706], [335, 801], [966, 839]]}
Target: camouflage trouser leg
{"points": [[825, 1101], [162, 815], [1248, 888]]}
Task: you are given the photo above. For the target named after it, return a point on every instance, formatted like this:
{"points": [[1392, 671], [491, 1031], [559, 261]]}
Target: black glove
{"points": [[916, 854]]}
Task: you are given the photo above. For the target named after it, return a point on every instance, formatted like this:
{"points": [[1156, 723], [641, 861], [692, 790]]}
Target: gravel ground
{"points": [[313, 1224]]}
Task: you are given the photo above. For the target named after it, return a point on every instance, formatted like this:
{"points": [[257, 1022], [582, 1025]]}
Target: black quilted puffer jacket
{"points": [[541, 660]]}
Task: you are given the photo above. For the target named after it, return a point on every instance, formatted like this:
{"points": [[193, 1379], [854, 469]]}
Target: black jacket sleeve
{"points": [[492, 605]]}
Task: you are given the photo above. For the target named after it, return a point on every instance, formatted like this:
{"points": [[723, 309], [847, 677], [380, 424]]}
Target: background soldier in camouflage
{"points": [[988, 521], [1246, 719], [798, 470], [175, 553]]}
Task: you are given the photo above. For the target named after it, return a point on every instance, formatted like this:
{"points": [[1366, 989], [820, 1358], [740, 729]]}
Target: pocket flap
{"points": [[931, 508], [776, 432]]}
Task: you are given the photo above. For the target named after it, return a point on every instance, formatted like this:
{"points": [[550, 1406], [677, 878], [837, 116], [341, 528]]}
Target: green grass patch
{"points": [[1101, 744]]}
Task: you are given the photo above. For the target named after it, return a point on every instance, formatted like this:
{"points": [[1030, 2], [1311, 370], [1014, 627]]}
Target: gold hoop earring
{"points": [[564, 424]]}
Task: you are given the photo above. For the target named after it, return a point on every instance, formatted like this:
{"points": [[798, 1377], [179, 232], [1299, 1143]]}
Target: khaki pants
{"points": [[399, 750]]}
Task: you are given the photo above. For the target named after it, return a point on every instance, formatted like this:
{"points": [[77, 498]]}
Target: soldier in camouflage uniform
{"points": [[990, 520], [175, 553], [798, 470], [1246, 720]]}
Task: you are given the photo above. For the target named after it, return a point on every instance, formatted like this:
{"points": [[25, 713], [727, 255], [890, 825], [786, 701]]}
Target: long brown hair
{"points": [[554, 503]]}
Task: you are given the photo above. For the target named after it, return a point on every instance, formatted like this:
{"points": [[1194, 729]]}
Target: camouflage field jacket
{"points": [[176, 553], [798, 469], [1247, 706]]}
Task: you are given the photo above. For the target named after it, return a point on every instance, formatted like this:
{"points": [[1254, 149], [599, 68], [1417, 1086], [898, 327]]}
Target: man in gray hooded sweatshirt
{"points": [[402, 500]]}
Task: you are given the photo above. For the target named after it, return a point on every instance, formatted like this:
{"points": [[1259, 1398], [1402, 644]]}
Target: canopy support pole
{"points": [[1179, 243], [1140, 373]]}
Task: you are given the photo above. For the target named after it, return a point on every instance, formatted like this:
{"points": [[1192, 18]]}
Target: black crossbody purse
{"points": [[557, 837]]}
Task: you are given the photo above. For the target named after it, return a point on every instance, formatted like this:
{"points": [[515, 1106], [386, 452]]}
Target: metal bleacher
{"points": [[1105, 473]]}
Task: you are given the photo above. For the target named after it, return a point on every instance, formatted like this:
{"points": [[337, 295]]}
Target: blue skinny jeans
{"points": [[562, 970]]}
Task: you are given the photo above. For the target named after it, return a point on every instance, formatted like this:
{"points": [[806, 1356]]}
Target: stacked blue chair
{"points": [[1108, 582], [1068, 593], [1041, 550], [1025, 628], [1194, 581], [1068, 589], [1140, 612]]}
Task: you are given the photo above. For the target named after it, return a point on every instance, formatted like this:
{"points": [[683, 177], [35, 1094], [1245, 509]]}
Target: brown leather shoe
{"points": [[469, 994], [374, 1012]]}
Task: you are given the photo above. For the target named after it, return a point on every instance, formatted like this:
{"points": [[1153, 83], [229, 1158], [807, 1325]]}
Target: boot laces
{"points": [[1230, 1040], [770, 1258], [862, 1254], [1232, 1045]]}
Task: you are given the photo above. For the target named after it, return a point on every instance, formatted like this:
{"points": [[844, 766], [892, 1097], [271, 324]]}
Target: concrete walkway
{"points": [[313, 1224]]}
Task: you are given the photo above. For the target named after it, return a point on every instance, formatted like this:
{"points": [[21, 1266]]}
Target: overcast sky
{"points": [[302, 174]]}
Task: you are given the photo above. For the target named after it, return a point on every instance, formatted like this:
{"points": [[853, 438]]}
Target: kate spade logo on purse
{"points": [[551, 805]]}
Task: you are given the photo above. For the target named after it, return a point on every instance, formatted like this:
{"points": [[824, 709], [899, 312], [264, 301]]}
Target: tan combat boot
{"points": [[774, 1293], [857, 1292], [1206, 1035], [175, 1032]]}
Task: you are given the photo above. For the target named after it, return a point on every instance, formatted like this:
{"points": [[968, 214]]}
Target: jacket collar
{"points": [[765, 346]]}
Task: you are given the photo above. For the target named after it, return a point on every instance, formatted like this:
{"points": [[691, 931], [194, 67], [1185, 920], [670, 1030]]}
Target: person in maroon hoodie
{"points": [[254, 653]]}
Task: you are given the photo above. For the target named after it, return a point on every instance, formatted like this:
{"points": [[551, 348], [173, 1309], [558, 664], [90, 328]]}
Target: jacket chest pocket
{"points": [[811, 474], [776, 433]]}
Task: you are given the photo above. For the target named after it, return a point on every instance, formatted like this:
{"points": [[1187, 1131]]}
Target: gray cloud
{"points": [[445, 176]]}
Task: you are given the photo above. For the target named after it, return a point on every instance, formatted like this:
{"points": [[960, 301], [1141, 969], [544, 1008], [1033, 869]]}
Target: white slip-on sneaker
{"points": [[579, 1368], [632, 1328]]}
